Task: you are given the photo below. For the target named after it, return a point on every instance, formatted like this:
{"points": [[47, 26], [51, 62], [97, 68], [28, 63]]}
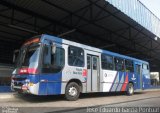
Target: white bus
{"points": [[48, 65]]}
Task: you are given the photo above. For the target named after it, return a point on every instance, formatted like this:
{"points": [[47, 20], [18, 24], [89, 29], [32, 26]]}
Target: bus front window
{"points": [[31, 57], [28, 58]]}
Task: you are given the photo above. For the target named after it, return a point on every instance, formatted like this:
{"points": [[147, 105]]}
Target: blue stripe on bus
{"points": [[121, 80], [113, 82]]}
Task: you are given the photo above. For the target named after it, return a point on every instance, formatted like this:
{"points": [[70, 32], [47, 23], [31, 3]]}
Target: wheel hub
{"points": [[72, 91], [131, 90]]}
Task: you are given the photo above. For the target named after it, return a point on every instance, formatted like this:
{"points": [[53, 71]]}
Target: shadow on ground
{"points": [[52, 98]]}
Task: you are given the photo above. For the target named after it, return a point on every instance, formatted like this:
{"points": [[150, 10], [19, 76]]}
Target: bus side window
{"points": [[145, 66], [75, 56], [46, 56], [107, 62], [58, 60], [119, 64], [88, 62], [94, 63], [129, 66], [138, 69]]}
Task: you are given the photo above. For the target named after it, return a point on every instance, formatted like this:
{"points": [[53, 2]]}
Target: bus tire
{"points": [[72, 91], [130, 89]]}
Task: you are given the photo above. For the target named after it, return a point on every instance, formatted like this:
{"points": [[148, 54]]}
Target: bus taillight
{"points": [[84, 72], [28, 71]]}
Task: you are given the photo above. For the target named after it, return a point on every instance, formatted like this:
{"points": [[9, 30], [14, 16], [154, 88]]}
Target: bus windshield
{"points": [[28, 56]]}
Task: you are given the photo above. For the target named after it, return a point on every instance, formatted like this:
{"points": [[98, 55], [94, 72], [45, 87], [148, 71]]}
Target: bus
{"points": [[48, 65]]}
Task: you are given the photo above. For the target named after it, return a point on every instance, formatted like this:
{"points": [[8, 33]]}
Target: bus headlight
{"points": [[31, 84]]}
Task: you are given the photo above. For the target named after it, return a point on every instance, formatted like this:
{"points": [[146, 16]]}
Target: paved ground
{"points": [[148, 105], [50, 104]]}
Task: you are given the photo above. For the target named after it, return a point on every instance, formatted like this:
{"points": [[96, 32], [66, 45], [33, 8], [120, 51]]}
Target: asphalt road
{"points": [[149, 105], [93, 103]]}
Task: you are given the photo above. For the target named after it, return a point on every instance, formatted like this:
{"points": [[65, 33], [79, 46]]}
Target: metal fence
{"points": [[138, 12]]}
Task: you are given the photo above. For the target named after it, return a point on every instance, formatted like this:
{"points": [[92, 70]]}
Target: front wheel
{"points": [[130, 89], [72, 91]]}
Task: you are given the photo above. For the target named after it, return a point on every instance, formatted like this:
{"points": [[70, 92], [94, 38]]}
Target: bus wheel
{"points": [[130, 89], [72, 91]]}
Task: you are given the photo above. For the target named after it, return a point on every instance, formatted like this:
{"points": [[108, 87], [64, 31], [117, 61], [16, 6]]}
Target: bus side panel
{"points": [[70, 73], [42, 88], [133, 79], [73, 72], [122, 76], [108, 80], [115, 81], [50, 84]]}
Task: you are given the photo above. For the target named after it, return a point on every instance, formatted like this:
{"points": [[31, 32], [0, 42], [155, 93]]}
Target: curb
{"points": [[7, 95], [152, 89]]}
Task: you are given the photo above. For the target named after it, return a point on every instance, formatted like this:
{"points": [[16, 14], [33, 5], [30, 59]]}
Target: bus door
{"points": [[93, 79], [138, 74]]}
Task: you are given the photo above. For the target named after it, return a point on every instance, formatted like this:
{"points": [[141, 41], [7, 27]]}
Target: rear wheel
{"points": [[72, 91], [130, 89]]}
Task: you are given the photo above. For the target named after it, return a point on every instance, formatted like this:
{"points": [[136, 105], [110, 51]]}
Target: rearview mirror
{"points": [[53, 48]]}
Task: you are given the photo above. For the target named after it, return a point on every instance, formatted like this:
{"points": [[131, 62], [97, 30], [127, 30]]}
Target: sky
{"points": [[153, 6]]}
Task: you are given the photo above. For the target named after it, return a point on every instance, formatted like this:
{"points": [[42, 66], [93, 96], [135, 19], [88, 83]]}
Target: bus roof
{"points": [[67, 42]]}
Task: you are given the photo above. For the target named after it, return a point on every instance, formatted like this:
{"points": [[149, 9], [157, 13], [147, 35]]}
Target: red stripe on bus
{"points": [[125, 83]]}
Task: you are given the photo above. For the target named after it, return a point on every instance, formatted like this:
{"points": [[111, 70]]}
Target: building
{"points": [[155, 78]]}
